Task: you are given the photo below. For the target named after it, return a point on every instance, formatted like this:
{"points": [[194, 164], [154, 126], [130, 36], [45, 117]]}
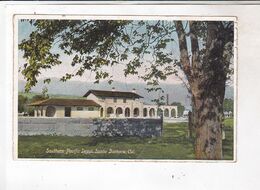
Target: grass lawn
{"points": [[173, 144]]}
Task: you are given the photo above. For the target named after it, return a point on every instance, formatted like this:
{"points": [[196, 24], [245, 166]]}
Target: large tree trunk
{"points": [[208, 122], [207, 77], [208, 90]]}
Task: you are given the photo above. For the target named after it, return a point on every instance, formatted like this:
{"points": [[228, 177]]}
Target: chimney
{"points": [[134, 90], [167, 99], [113, 89]]}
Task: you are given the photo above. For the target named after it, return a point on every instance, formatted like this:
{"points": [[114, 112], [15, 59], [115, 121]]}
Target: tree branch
{"points": [[194, 44], [184, 56]]}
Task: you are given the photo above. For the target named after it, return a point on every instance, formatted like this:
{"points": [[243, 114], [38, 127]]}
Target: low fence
{"points": [[89, 127]]}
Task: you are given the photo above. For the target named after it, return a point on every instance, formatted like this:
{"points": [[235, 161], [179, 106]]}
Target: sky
{"points": [[24, 30]]}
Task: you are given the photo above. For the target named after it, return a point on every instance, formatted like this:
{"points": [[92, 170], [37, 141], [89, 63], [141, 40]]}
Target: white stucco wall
{"points": [[59, 111], [85, 113], [94, 98], [108, 102]]}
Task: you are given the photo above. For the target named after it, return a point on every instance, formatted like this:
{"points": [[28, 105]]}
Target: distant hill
{"points": [[31, 94], [177, 92]]}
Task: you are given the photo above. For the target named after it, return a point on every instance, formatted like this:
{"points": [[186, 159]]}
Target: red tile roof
{"points": [[64, 102], [117, 94]]}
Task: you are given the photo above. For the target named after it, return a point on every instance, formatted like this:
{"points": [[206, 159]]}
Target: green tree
{"points": [[180, 107], [22, 101], [205, 50], [228, 104], [39, 97], [35, 98]]}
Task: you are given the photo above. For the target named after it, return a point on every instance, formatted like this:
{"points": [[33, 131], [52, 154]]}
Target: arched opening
{"points": [[159, 112], [119, 112], [110, 111], [42, 111], [136, 112], [145, 112], [173, 113], [127, 112], [152, 112], [37, 112], [101, 112], [166, 112], [50, 111]]}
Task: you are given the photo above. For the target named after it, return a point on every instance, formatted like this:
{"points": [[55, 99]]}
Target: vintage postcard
{"points": [[129, 95], [125, 87]]}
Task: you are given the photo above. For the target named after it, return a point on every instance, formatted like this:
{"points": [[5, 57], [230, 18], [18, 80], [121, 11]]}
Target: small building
{"points": [[103, 104], [186, 113], [228, 114], [54, 107]]}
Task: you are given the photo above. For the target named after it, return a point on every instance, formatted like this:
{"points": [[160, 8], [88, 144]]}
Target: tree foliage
{"points": [[22, 101], [180, 108], [228, 104], [94, 44]]}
